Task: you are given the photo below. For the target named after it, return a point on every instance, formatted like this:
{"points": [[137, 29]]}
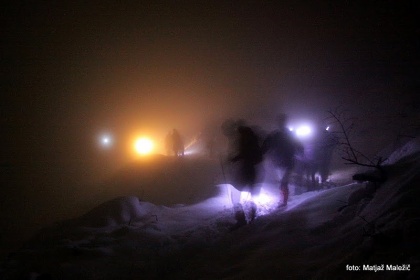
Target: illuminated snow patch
{"points": [[266, 201]]}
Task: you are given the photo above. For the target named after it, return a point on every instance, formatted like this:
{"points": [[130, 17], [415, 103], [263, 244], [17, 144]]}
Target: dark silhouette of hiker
{"points": [[244, 154], [318, 154], [281, 147], [177, 144]]}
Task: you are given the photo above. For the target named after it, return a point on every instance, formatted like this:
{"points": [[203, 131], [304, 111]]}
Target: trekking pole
{"points": [[223, 169]]}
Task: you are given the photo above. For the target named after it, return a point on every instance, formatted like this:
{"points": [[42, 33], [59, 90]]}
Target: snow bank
{"points": [[409, 148], [119, 211], [318, 236]]}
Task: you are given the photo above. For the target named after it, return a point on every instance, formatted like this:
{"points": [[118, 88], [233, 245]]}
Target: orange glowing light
{"points": [[143, 146]]}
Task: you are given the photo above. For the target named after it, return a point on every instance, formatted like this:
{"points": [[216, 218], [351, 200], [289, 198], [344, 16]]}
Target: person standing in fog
{"points": [[177, 144]]}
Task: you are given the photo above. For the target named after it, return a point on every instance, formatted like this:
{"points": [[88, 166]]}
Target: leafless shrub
{"points": [[348, 151]]}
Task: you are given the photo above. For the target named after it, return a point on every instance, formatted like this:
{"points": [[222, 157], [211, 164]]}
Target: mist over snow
{"points": [[84, 83], [184, 233]]}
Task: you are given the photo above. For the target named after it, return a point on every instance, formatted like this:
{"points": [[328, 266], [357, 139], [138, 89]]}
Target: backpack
{"points": [[249, 145], [280, 146]]}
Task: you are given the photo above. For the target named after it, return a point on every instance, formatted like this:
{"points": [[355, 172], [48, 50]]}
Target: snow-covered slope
{"points": [[321, 235]]}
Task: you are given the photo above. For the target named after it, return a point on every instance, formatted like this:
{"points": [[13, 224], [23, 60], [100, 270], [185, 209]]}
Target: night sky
{"points": [[72, 70]]}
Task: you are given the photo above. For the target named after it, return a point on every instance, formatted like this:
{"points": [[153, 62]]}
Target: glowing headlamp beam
{"points": [[303, 131], [105, 141]]}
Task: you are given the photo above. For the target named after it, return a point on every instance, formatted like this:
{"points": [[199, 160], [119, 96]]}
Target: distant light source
{"points": [[143, 146], [303, 131], [190, 151], [106, 141]]}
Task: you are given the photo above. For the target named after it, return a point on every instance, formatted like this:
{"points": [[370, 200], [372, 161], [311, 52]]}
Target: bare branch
{"points": [[344, 131], [351, 155]]}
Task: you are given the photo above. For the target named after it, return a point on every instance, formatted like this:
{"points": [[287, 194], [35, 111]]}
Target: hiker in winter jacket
{"points": [[244, 155], [281, 148]]}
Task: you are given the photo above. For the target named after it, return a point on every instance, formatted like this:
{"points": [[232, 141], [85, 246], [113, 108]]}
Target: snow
{"points": [[320, 235], [408, 148]]}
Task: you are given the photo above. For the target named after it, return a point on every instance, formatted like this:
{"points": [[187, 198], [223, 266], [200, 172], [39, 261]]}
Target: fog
{"points": [[73, 71]]}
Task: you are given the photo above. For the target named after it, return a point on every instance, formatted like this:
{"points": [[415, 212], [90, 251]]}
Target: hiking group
{"points": [[246, 152]]}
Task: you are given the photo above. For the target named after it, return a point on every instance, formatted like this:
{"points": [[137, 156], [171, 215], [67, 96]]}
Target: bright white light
{"points": [[266, 201], [327, 128], [265, 198], [190, 152], [291, 128], [106, 141], [303, 131], [143, 146]]}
